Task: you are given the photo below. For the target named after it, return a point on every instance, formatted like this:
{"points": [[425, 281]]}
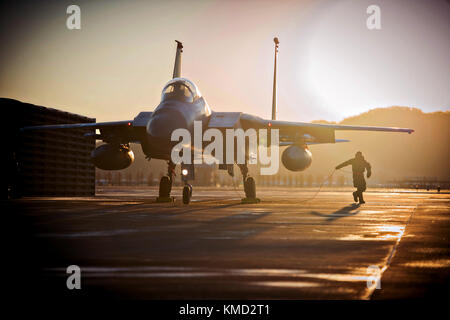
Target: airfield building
{"points": [[46, 162]]}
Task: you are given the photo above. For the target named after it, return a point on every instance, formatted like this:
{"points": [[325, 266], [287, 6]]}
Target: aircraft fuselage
{"points": [[169, 116]]}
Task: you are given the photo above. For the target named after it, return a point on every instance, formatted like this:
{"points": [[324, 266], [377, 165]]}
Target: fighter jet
{"points": [[182, 104]]}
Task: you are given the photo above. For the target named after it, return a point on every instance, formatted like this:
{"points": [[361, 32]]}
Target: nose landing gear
{"points": [[187, 193], [187, 173]]}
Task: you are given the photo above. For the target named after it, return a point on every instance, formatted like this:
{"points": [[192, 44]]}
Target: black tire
{"points": [[165, 186], [187, 193], [250, 188]]}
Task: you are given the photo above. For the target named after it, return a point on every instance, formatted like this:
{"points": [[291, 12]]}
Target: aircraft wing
{"points": [[305, 125], [113, 131], [292, 132], [310, 133], [94, 125]]}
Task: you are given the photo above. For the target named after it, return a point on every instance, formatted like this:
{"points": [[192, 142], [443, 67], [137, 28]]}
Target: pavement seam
{"points": [[371, 290]]}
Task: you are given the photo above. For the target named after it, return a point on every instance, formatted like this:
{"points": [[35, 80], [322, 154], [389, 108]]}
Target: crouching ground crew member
{"points": [[359, 164]]}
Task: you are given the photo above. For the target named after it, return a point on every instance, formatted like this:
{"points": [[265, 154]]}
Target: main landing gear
{"points": [[249, 186], [165, 185], [187, 193]]}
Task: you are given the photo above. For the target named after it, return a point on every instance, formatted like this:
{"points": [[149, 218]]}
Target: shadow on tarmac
{"points": [[340, 213]]}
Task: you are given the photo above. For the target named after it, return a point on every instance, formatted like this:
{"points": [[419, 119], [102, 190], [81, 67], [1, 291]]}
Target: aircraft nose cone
{"points": [[164, 123]]}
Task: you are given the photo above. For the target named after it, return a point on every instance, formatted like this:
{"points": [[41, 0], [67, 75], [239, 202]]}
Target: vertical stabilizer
{"points": [[177, 65], [274, 94]]}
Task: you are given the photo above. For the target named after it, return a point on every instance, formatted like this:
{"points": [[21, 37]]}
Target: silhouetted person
{"points": [[359, 165]]}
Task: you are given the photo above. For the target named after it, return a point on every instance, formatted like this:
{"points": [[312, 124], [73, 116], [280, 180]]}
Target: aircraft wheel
{"points": [[187, 193], [250, 188], [165, 186]]}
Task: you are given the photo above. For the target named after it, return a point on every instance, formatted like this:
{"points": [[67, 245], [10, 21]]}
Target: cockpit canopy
{"points": [[180, 89]]}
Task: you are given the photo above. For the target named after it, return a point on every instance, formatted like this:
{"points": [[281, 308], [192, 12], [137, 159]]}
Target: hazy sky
{"points": [[330, 65]]}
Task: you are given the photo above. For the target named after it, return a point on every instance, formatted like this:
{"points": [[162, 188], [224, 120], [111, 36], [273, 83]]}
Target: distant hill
{"points": [[424, 153]]}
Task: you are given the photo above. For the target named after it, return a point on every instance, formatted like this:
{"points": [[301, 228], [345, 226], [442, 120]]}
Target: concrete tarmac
{"points": [[289, 246]]}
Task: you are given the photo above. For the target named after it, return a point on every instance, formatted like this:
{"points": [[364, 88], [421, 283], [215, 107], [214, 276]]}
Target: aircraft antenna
{"points": [[274, 94], [177, 65]]}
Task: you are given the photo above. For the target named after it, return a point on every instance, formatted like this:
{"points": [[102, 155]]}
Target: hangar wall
{"points": [[48, 162]]}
